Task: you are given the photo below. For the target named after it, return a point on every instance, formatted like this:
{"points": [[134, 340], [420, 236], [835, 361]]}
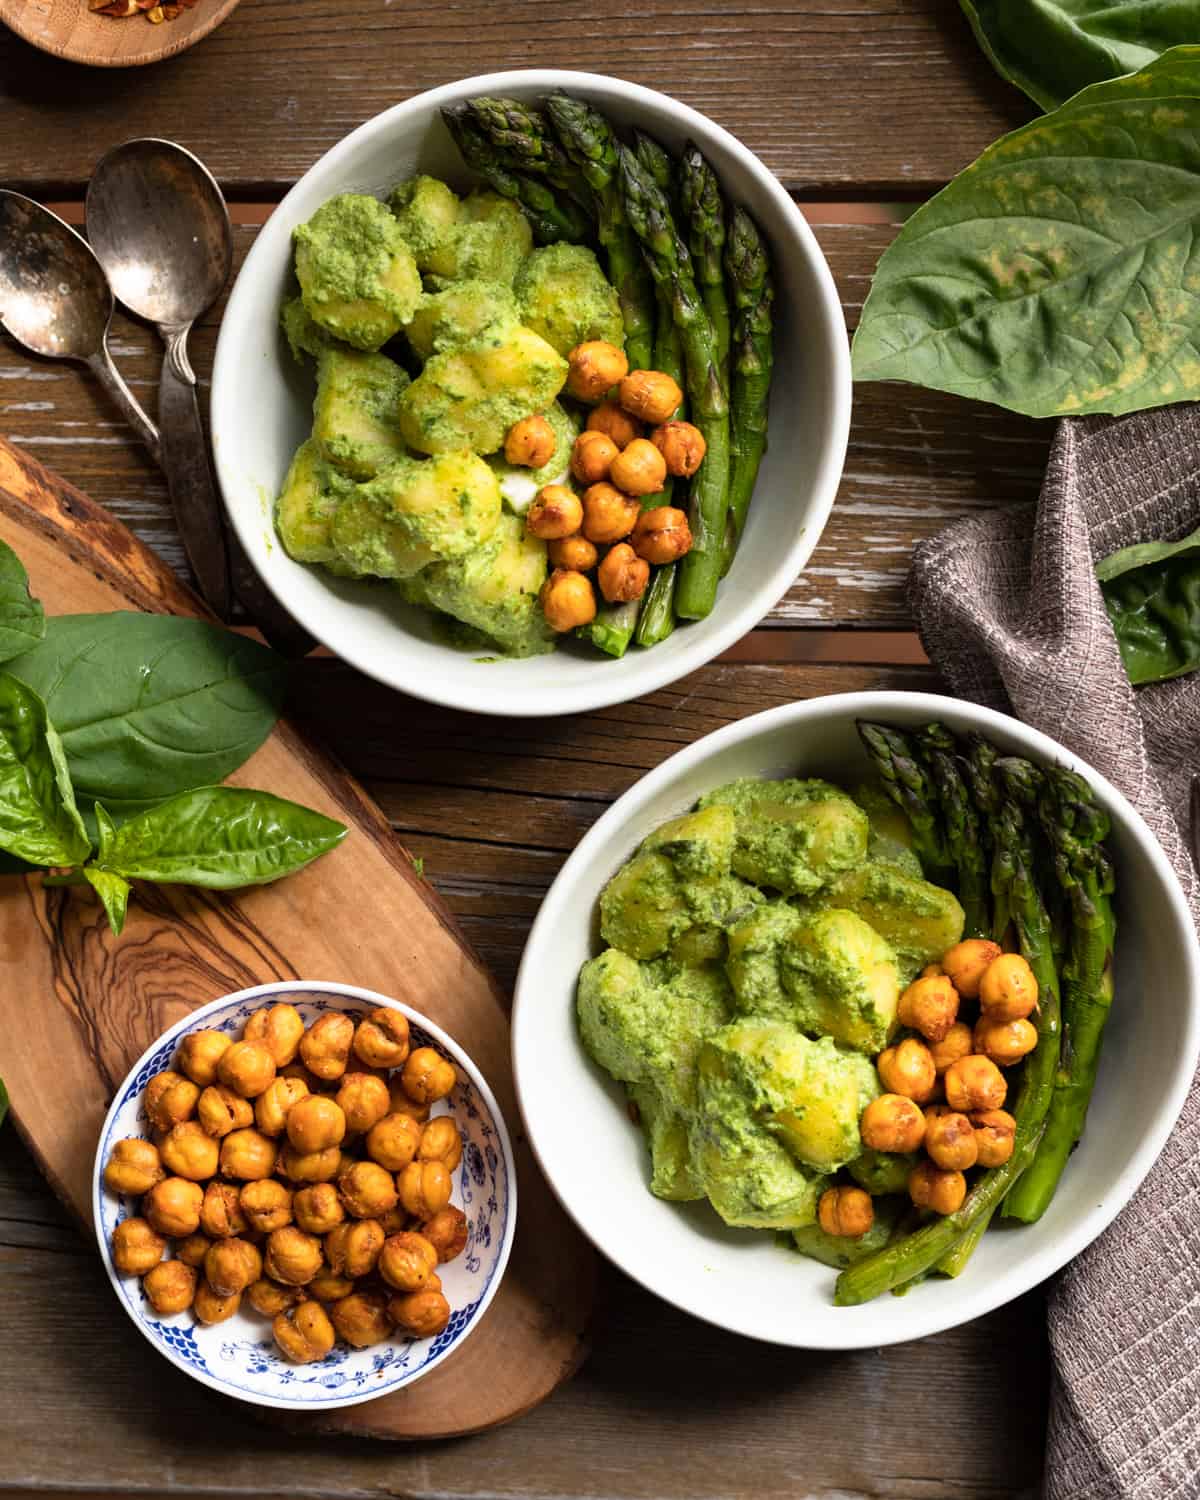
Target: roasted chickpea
{"points": [[650, 396], [273, 1104], [133, 1167], [188, 1151], [367, 1190], [965, 963], [556, 512], [403, 1105], [845, 1212], [395, 1221], [173, 1206], [170, 1099], [270, 1298], [406, 1261], [446, 1231], [363, 1099], [394, 1141], [427, 1076], [199, 1054], [220, 1110], [930, 971], [662, 534], [1008, 990], [310, 1166], [623, 575], [248, 1155], [574, 553], [929, 1006], [279, 1028], [231, 1265], [974, 1082], [440, 1141], [424, 1188], [318, 1209], [614, 423], [361, 1319], [957, 1043], [568, 600], [950, 1141], [892, 1123], [639, 469], [420, 1314], [930, 1186], [170, 1287], [292, 1256], [210, 1306], [221, 1213], [305, 1334], [325, 1048], [192, 1249], [995, 1136], [136, 1247], [381, 1039], [530, 443], [328, 1286], [908, 1069], [247, 1068], [608, 515], [594, 368], [315, 1122], [267, 1205], [592, 457], [353, 1248], [1005, 1042], [682, 447]]}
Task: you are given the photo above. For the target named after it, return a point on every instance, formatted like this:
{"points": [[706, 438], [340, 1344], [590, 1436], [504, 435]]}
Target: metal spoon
{"points": [[56, 301], [159, 226]]}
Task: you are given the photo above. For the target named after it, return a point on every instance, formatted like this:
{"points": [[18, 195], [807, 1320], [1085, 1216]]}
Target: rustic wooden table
{"points": [[862, 108]]}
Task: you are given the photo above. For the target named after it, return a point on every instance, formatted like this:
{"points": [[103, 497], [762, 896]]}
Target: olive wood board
{"points": [[78, 1006]]}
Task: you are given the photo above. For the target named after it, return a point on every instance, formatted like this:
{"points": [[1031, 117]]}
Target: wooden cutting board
{"points": [[78, 1006]]}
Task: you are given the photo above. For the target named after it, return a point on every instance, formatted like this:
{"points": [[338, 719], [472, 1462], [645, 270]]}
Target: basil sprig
{"points": [[22, 620]]}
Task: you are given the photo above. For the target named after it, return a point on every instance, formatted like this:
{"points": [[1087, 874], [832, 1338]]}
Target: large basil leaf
{"points": [[151, 705], [1053, 48], [1058, 274], [39, 821], [217, 836], [113, 891], [1152, 594], [22, 620]]}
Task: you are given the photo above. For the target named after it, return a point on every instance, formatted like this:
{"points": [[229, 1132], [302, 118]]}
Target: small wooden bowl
{"points": [[66, 28]]}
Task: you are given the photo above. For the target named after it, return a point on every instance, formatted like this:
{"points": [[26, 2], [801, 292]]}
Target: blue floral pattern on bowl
{"points": [[239, 1356]]}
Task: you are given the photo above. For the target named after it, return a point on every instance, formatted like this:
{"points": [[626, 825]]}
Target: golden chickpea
{"points": [[367, 1190], [292, 1256], [930, 971], [530, 443], [964, 964], [231, 1265], [363, 1099], [318, 1209], [328, 1286], [950, 1141], [555, 513], [270, 1298], [845, 1212], [170, 1099], [133, 1167], [361, 1319], [929, 1006], [1008, 990], [933, 1187], [315, 1123], [594, 368], [210, 1306], [892, 1123], [304, 1335], [957, 1043], [608, 515], [381, 1039], [425, 1188], [221, 1213], [192, 1249], [273, 1104], [908, 1069], [279, 1028], [325, 1047], [1005, 1042], [974, 1082], [639, 469], [446, 1231], [247, 1068], [406, 1261], [310, 1166], [248, 1155], [662, 535], [592, 457], [650, 396], [266, 1204], [995, 1136], [682, 447], [395, 1221], [170, 1287], [173, 1206], [568, 600], [420, 1314], [403, 1105], [220, 1110], [574, 553], [614, 423], [136, 1247], [199, 1054], [623, 575], [188, 1151], [352, 1249], [427, 1076], [394, 1141], [440, 1141], [314, 1084]]}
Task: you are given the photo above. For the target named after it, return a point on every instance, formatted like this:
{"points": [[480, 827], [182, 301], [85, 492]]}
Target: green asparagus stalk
{"points": [[703, 219], [747, 267], [552, 215], [905, 781], [523, 140], [979, 771], [966, 837]]}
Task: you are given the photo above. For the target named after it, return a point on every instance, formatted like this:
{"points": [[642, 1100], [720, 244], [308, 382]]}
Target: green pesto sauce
{"points": [[792, 835], [565, 296]]}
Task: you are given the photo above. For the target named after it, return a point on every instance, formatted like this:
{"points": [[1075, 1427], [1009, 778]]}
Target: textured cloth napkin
{"points": [[1011, 614]]}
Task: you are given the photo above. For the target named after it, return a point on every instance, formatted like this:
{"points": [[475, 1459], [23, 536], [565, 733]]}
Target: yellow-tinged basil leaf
{"points": [[113, 891], [39, 821], [22, 620]]}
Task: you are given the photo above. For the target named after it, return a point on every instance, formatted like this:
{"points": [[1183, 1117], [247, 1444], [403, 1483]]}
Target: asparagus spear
{"points": [[552, 216], [905, 781], [748, 268], [703, 215], [523, 140], [966, 838]]}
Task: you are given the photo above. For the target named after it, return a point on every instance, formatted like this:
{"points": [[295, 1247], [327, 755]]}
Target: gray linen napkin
{"points": [[1011, 615]]}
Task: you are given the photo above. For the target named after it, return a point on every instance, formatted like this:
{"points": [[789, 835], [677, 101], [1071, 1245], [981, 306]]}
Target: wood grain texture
{"points": [[66, 29], [361, 915]]}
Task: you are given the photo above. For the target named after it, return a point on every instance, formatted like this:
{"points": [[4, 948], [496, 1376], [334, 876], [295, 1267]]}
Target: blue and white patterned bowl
{"points": [[239, 1357]]}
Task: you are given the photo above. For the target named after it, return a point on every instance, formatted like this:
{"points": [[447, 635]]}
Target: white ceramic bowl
{"points": [[261, 412], [239, 1357], [741, 1280]]}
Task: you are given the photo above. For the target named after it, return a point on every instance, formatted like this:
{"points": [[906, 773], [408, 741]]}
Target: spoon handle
{"points": [[101, 365]]}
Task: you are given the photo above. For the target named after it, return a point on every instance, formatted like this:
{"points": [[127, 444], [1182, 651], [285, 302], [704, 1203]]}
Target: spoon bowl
{"points": [[54, 298]]}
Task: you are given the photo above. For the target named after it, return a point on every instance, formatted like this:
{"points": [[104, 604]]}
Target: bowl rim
{"points": [[373, 999], [1044, 1261], [633, 676]]}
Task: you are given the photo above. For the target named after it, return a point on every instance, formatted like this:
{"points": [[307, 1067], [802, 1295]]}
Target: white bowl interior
{"points": [[261, 412], [742, 1280], [239, 1357]]}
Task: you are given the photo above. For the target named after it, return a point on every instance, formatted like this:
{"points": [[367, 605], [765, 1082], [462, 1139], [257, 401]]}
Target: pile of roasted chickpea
{"points": [[294, 1169], [945, 1085], [618, 466]]}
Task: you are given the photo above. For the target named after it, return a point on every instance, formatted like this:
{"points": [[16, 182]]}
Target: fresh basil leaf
{"points": [[39, 821], [113, 892], [216, 836], [1141, 553], [22, 620], [151, 705], [1053, 48], [1152, 595], [1056, 274]]}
